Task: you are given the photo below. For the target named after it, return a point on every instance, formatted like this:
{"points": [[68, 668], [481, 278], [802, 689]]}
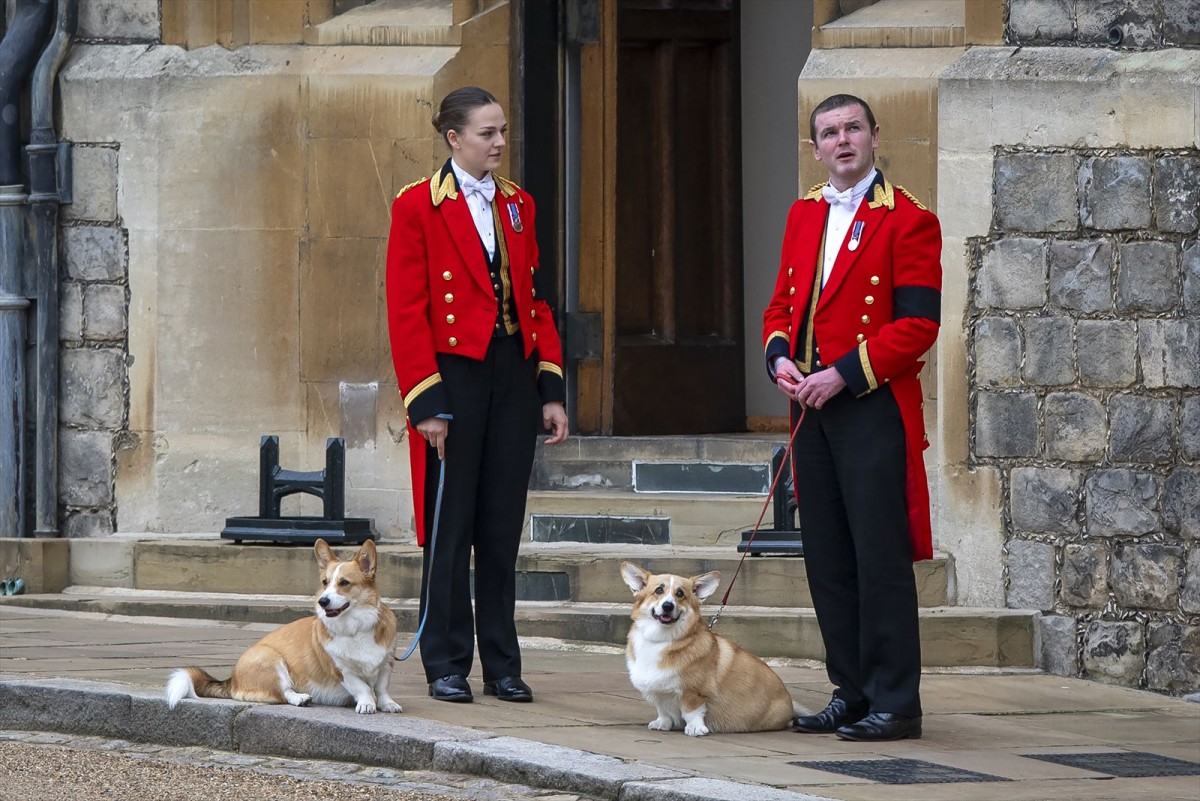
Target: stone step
{"points": [[390, 22], [546, 572], [951, 637]]}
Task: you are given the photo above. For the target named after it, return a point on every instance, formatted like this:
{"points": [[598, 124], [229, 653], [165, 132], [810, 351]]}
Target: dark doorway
{"points": [[678, 256]]}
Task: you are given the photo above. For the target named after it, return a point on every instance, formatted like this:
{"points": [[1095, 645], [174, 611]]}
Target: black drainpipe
{"points": [[18, 53], [45, 195]]}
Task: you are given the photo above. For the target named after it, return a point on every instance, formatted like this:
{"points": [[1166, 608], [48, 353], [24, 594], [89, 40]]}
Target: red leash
{"points": [[770, 496]]}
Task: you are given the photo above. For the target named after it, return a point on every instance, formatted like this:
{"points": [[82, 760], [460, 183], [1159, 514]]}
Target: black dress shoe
{"points": [[882, 726], [509, 688], [829, 719], [451, 688]]}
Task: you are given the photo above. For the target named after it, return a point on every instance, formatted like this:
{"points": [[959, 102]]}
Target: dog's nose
{"points": [[668, 607], [323, 601]]}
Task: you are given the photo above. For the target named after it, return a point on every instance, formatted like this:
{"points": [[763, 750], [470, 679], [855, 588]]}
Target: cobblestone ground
{"points": [[37, 766]]}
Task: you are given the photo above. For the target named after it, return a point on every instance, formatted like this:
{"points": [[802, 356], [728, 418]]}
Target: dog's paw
{"points": [[365, 708], [390, 706], [659, 724], [695, 730], [299, 699]]}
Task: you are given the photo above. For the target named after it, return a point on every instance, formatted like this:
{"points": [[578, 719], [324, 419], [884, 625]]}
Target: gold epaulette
{"points": [[815, 192], [439, 191], [506, 187], [410, 186], [883, 196], [909, 195]]}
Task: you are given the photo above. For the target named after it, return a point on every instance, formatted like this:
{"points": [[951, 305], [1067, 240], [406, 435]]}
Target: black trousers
{"points": [[849, 463], [489, 454]]}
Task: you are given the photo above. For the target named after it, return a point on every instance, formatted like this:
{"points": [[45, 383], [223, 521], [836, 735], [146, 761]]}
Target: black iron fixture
{"points": [[783, 537]]}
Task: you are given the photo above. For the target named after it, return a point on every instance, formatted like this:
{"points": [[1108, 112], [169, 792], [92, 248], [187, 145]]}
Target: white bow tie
{"points": [[486, 187], [836, 198]]}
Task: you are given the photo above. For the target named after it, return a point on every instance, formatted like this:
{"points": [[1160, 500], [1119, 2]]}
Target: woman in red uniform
{"points": [[479, 365]]}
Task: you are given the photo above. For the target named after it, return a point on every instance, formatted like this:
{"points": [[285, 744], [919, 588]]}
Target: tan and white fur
{"points": [[339, 656], [698, 681]]}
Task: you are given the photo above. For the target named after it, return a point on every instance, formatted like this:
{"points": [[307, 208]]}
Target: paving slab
{"points": [[586, 731]]}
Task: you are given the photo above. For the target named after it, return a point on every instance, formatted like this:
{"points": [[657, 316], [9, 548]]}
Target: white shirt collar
{"points": [[859, 190], [460, 174]]}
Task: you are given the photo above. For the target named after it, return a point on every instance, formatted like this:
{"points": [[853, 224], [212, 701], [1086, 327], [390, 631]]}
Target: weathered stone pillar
{"points": [[13, 308]]}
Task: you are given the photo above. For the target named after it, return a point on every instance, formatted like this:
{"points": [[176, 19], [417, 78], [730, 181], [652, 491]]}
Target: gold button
{"points": [[453, 342], [875, 280], [533, 312], [861, 337], [870, 299], [447, 275], [866, 319], [449, 298], [790, 271], [534, 336], [450, 319], [789, 309], [533, 293], [531, 271], [818, 362], [922, 404], [792, 291]]}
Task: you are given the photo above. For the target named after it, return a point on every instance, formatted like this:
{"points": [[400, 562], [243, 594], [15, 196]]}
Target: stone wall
{"points": [[1136, 24], [1083, 339]]}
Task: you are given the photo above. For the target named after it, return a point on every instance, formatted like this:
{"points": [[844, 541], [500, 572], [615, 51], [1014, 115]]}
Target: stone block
{"points": [[1041, 21], [349, 187], [1177, 192], [1181, 503], [1112, 651], [1173, 664], [85, 476], [1181, 24], [1006, 424], [1141, 428], [1121, 503], [1045, 500], [1030, 575], [997, 352], [80, 525], [1191, 279], [1148, 279], [1076, 427], [104, 312], [1138, 23], [94, 173], [92, 383], [120, 20], [1106, 352], [1189, 595], [1115, 193], [1012, 275], [702, 788], [341, 281], [1167, 350], [1147, 576], [93, 253], [70, 312], [1036, 192], [1049, 357], [1060, 645], [1084, 575], [1189, 428], [1081, 275]]}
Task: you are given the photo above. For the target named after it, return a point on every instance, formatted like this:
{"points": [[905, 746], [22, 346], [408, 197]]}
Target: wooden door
{"points": [[678, 356]]}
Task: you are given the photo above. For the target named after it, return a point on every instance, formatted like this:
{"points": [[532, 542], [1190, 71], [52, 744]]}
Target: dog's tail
{"points": [[194, 683], [799, 710]]}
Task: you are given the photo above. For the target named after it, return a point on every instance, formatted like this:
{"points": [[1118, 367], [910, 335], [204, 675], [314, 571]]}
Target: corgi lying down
{"points": [[343, 654], [697, 680]]}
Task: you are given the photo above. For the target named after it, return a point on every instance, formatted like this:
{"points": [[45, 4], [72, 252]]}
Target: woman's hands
{"points": [[435, 430], [554, 417]]}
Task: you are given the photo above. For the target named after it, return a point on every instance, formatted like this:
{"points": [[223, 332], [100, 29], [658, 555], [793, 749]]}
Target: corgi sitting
{"points": [[342, 654], [697, 680]]}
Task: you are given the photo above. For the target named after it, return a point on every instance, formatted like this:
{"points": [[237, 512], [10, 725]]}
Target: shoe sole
{"points": [[519, 699], [913, 735]]}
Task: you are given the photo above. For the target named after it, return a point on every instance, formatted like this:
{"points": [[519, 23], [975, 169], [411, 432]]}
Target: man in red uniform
{"points": [[856, 305]]}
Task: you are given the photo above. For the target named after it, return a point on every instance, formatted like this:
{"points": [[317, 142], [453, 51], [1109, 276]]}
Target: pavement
{"points": [[988, 733]]}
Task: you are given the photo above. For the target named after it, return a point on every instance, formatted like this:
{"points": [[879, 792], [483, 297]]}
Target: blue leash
{"points": [[437, 514]]}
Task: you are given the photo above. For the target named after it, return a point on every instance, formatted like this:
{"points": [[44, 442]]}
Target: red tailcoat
{"points": [[876, 316], [440, 298]]}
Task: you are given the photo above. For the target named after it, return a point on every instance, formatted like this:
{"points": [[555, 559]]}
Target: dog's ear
{"points": [[367, 558], [324, 554], [706, 584], [634, 576]]}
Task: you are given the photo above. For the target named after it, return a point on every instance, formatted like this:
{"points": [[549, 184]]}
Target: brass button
{"points": [[533, 312], [534, 336], [453, 342], [875, 280], [792, 291], [449, 298], [818, 362], [922, 404], [790, 272], [789, 309], [870, 299], [866, 319], [533, 293], [450, 319], [447, 275], [861, 337]]}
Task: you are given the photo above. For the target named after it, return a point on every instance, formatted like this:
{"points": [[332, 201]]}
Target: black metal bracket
{"points": [[275, 483], [784, 537]]}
